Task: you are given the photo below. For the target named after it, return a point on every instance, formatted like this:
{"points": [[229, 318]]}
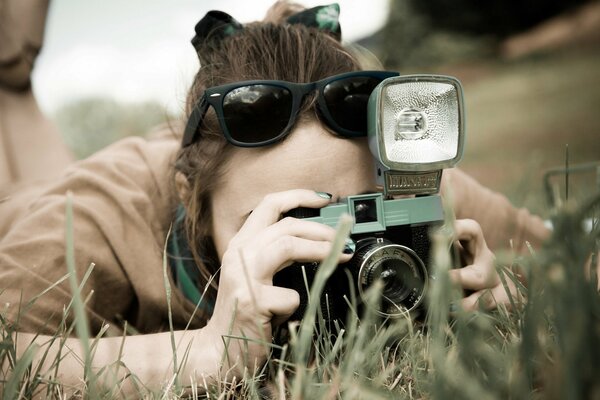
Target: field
{"points": [[520, 117]]}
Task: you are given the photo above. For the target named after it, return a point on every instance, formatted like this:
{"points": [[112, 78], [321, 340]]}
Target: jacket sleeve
{"points": [[122, 205], [501, 222]]}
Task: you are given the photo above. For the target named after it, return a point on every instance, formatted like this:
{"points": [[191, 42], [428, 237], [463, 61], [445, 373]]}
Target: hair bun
{"points": [[281, 10]]}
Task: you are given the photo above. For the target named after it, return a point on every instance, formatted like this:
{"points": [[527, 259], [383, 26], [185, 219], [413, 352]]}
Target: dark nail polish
{"points": [[350, 246], [453, 307]]}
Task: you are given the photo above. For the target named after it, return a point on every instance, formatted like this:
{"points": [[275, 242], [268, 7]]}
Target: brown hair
{"points": [[262, 50]]}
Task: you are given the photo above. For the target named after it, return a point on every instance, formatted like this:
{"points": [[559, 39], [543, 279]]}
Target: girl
{"points": [[222, 204]]}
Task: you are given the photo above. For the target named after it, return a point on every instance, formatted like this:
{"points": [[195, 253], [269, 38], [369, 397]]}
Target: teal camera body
{"points": [[416, 129], [392, 244]]}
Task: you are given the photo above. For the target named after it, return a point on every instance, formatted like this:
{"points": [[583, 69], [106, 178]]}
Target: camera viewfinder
{"points": [[365, 210]]}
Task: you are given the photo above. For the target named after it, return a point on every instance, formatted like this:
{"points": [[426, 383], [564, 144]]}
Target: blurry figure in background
{"points": [[31, 148]]}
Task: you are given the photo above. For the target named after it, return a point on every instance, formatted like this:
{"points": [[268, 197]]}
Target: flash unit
{"points": [[416, 128]]}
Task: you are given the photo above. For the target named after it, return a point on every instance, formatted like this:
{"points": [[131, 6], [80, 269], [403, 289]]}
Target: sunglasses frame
{"points": [[214, 96]]}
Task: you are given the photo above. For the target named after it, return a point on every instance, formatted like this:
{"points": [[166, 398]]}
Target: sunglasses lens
{"points": [[347, 100], [257, 113]]}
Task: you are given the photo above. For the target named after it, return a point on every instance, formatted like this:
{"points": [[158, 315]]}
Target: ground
{"points": [[523, 108]]}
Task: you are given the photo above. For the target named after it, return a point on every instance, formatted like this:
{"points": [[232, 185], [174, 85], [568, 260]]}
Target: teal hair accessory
{"points": [[325, 18], [214, 27], [218, 25]]}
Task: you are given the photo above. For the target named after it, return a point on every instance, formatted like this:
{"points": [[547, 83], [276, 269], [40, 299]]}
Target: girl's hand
{"points": [[479, 276], [247, 302]]}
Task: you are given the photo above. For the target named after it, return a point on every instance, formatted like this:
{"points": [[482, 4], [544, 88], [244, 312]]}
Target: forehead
{"points": [[309, 158]]}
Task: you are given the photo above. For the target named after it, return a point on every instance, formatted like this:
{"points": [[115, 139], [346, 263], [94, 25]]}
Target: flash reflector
{"points": [[416, 122]]}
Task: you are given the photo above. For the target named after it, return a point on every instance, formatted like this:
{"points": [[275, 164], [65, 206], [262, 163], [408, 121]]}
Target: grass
{"points": [[546, 347]]}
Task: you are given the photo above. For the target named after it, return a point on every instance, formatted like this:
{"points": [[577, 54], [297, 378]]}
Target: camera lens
{"points": [[397, 279], [400, 270]]}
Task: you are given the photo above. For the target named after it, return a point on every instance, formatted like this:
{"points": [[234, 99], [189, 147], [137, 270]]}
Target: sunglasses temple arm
{"points": [[192, 128]]}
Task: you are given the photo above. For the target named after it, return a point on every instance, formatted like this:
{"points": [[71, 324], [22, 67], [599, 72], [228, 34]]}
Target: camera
{"points": [[415, 129]]}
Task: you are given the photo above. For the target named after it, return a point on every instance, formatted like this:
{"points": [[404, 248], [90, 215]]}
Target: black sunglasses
{"points": [[258, 113]]}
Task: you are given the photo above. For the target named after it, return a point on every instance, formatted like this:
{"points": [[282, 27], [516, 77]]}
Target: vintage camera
{"points": [[416, 128]]}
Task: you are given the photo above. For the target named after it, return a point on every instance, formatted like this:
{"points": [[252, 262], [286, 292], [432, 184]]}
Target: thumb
{"points": [[283, 302]]}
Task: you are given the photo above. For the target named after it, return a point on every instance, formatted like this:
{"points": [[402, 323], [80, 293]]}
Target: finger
{"points": [[462, 256], [280, 303], [476, 276], [470, 235], [269, 210], [481, 300], [283, 252], [489, 299], [290, 226]]}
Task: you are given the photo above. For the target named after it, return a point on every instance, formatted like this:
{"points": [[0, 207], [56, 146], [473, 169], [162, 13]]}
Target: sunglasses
{"points": [[261, 112]]}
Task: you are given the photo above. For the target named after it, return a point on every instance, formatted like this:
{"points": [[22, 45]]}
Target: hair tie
{"points": [[325, 18], [215, 26]]}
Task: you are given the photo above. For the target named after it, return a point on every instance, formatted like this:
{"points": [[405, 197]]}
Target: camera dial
{"points": [[401, 271]]}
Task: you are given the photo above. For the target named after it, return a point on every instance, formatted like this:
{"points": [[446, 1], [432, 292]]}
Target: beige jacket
{"points": [[123, 203]]}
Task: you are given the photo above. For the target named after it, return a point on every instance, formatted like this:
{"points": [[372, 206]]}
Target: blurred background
{"points": [[530, 71]]}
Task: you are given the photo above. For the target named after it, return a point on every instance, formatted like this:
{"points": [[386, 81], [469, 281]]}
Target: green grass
{"points": [[544, 348], [520, 116]]}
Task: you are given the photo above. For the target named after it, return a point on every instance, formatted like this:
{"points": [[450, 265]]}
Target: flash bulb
{"points": [[411, 124]]}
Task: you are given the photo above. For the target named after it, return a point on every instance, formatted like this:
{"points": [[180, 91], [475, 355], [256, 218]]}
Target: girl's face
{"points": [[309, 158]]}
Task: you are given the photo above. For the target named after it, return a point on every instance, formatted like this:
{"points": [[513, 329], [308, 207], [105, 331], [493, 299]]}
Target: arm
{"points": [[500, 221], [246, 304], [121, 213], [128, 362], [121, 203]]}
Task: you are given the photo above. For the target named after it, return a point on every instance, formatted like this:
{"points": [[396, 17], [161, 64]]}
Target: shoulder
{"points": [[158, 147], [129, 172], [122, 204]]}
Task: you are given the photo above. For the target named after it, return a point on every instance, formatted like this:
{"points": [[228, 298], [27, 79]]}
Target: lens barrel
{"points": [[402, 273]]}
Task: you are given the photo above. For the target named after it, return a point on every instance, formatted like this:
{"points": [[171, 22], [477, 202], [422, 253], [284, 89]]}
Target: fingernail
{"points": [[324, 195], [349, 247], [453, 307]]}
